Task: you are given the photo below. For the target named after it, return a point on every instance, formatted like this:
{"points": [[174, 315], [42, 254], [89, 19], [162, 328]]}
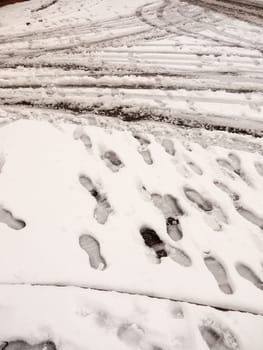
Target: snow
{"points": [[61, 13], [81, 319], [47, 181], [168, 59], [124, 223]]}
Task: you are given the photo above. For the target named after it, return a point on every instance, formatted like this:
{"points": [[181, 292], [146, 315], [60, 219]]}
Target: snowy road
{"points": [[169, 59], [131, 175]]}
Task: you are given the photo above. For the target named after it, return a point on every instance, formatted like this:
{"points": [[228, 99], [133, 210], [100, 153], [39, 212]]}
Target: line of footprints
{"points": [[172, 212], [215, 334]]}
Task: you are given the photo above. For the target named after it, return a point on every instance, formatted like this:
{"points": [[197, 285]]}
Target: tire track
{"points": [[236, 9], [203, 66], [181, 120], [201, 22]]}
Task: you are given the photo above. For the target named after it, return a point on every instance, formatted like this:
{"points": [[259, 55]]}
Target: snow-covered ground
{"points": [[165, 58], [81, 319], [131, 175]]}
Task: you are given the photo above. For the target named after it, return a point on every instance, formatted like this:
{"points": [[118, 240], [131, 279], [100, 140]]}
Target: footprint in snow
{"points": [[195, 168], [211, 337], [179, 256], [177, 311], [247, 273], [79, 134], [217, 339], [146, 154], [233, 165], [103, 319], [130, 334], [236, 164], [187, 146], [233, 195], [259, 168], [168, 204], [6, 217], [88, 184], [216, 218], [92, 248], [22, 345], [195, 197], [250, 216], [174, 228], [235, 161], [103, 208], [86, 141], [2, 162], [112, 161], [219, 273], [142, 140], [143, 148], [226, 166], [152, 240], [171, 210], [102, 211], [215, 215], [168, 146]]}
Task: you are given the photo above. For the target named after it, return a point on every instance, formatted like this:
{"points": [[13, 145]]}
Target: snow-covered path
{"points": [[137, 200], [84, 206], [131, 175]]}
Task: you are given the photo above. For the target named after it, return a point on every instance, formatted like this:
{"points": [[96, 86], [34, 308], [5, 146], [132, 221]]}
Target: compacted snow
{"points": [[124, 223]]}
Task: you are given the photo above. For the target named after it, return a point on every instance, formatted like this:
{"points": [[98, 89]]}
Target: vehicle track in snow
{"points": [[170, 60], [250, 11]]}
